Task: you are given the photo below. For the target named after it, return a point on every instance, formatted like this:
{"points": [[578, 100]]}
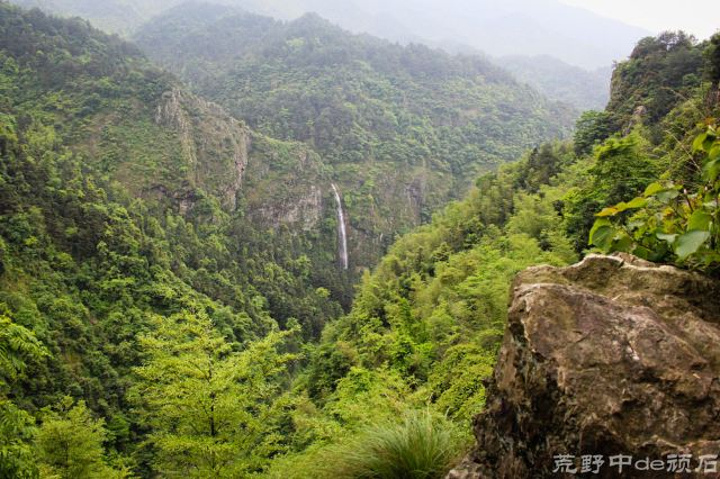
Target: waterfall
{"points": [[341, 228]]}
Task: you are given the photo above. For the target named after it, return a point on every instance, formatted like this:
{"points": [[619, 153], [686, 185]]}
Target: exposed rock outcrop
{"points": [[302, 210], [612, 356], [214, 145], [282, 185]]}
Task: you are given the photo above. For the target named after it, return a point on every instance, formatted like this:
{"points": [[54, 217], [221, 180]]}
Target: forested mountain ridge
{"points": [[539, 27], [158, 141], [660, 73], [401, 129], [426, 324], [121, 202], [154, 325], [584, 89], [547, 27]]}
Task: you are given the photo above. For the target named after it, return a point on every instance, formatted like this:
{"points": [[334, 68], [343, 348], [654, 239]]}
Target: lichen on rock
{"points": [[611, 356]]}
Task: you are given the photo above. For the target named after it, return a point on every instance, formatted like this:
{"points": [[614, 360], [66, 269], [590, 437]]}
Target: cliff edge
{"points": [[609, 368]]}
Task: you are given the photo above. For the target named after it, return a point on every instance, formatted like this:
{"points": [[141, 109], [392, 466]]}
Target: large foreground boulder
{"points": [[614, 361]]}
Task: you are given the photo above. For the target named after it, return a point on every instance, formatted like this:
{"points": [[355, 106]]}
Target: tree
{"points": [[17, 428], [621, 170], [592, 127], [17, 346], [660, 74], [213, 411], [712, 54], [70, 444], [672, 221]]}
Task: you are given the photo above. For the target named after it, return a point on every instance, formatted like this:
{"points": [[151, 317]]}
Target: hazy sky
{"points": [[699, 17]]}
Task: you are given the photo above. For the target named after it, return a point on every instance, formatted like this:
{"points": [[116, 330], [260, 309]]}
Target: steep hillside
{"points": [[401, 130], [426, 325], [584, 89], [121, 198], [660, 74], [170, 279]]}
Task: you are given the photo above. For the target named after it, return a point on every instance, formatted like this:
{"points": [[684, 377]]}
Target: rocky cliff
{"points": [[610, 358], [214, 146]]}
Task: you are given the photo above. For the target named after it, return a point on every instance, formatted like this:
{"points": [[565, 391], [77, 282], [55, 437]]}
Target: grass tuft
{"points": [[422, 446]]}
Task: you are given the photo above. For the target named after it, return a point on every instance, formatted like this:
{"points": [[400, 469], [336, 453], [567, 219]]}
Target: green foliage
{"points": [[91, 252], [18, 347], [422, 446], [400, 130], [592, 128], [670, 222], [213, 412], [17, 431], [432, 314], [622, 168], [661, 73], [426, 324], [70, 444], [188, 318], [712, 54]]}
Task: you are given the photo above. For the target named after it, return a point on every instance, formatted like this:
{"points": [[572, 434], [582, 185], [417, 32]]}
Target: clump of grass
{"points": [[421, 446]]}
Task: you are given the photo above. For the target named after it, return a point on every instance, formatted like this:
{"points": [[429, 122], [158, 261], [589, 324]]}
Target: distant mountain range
{"points": [[563, 52], [584, 89], [400, 129], [499, 28]]}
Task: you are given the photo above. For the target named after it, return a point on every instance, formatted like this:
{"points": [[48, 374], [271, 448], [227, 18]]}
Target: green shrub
{"points": [[422, 446], [671, 222]]}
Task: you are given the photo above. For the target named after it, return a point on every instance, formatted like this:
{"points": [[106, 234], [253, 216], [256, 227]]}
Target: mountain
{"points": [[530, 51], [499, 28], [426, 326], [171, 277], [518, 27], [124, 195], [583, 89], [661, 73], [123, 199], [400, 130]]}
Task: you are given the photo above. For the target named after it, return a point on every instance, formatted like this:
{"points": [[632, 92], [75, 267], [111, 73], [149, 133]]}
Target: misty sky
{"points": [[699, 17]]}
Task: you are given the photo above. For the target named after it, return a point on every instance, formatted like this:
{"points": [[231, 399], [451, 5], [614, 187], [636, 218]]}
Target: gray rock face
{"points": [[214, 146], [611, 356]]}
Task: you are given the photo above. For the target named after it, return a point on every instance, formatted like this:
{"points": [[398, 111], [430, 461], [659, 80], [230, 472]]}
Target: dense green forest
{"points": [[154, 324], [112, 217], [402, 129], [426, 324], [541, 66]]}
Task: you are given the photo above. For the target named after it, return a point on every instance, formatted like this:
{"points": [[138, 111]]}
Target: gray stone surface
{"points": [[613, 355]]}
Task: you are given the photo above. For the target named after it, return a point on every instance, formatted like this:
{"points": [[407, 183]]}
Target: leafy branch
{"points": [[668, 222]]}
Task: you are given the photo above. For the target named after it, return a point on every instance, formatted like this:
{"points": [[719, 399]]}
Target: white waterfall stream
{"points": [[341, 228]]}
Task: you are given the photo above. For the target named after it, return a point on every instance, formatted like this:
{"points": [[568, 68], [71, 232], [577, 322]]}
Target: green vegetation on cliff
{"points": [[402, 130], [427, 322], [169, 298], [112, 213]]}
